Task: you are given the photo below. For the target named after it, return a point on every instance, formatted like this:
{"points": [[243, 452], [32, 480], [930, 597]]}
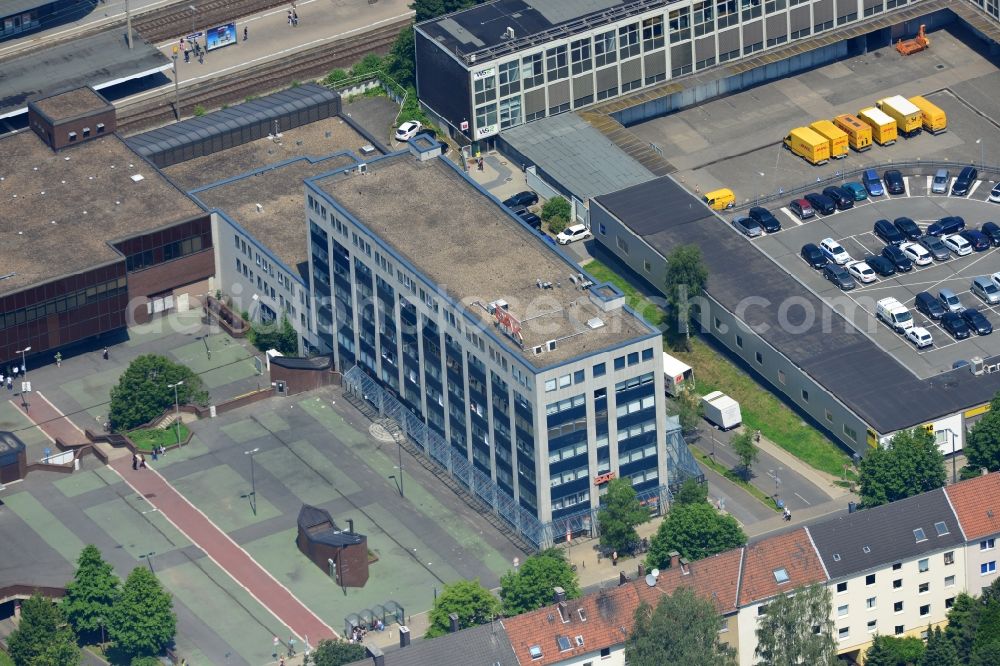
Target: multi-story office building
{"points": [[545, 382]]}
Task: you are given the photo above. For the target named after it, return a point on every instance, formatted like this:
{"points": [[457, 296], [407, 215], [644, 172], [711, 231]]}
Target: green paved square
{"points": [[225, 607], [334, 422], [296, 475], [79, 483], [94, 389], [229, 374], [137, 532], [325, 467], [224, 351], [109, 475], [46, 525], [161, 327], [273, 422], [216, 491], [192, 449], [13, 420], [243, 431]]}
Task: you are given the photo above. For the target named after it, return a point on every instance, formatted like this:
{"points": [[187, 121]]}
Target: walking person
{"points": [[155, 452], [289, 17], [295, 18], [10, 383], [787, 514], [135, 461], [105, 354], [142, 461], [614, 558], [245, 33]]}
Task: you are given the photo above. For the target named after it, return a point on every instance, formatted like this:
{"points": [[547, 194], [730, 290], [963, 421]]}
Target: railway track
{"points": [[176, 20], [270, 76]]}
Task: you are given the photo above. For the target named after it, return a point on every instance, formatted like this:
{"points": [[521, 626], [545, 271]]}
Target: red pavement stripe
{"points": [[219, 547], [50, 420]]}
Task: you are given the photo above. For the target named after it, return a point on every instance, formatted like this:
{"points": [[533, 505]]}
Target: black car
{"points": [[893, 180], [839, 276], [813, 255], [880, 265], [946, 226], [821, 203], [936, 247], [889, 234], [530, 219], [977, 239], [991, 231], [898, 259], [765, 219], [955, 325], [843, 200], [928, 305], [966, 177], [908, 228], [977, 321], [520, 199], [747, 227]]}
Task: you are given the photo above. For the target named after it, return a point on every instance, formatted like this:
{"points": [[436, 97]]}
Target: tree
{"points": [[695, 531], [894, 651], [786, 634], [401, 65], [556, 207], [982, 449], [473, 603], [142, 393], [686, 278], [275, 335], [692, 491], [963, 620], [557, 223], [911, 464], [987, 654], [747, 451], [146, 661], [682, 629], [91, 595], [43, 637], [940, 651], [336, 653], [530, 587], [620, 513], [143, 620], [688, 409]]}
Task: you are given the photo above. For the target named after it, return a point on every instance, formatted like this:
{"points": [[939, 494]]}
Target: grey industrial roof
{"points": [[485, 645], [11, 7], [844, 360], [887, 532], [576, 155], [98, 60], [320, 527]]}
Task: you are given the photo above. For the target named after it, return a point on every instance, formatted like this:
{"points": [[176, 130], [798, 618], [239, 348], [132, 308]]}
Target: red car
{"points": [[802, 208]]}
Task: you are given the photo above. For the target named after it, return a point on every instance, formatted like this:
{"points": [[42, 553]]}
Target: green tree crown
{"points": [[786, 634], [911, 464], [336, 653], [43, 637], [695, 531], [91, 595], [472, 602], [619, 514], [530, 587], [143, 620], [142, 393], [682, 629]]}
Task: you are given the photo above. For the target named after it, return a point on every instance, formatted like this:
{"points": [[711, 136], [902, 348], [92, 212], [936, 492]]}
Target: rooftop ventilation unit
{"points": [[595, 323], [137, 177], [493, 306], [536, 350], [551, 345], [508, 33], [362, 168], [977, 365]]}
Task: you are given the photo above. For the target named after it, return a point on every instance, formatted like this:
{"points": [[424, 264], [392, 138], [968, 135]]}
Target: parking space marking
{"points": [[929, 179], [906, 185], [975, 186], [791, 215]]}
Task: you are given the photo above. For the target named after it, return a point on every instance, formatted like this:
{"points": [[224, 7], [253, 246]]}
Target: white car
{"points": [[861, 272], [919, 336], [573, 233], [918, 254], [831, 250], [995, 193], [408, 130], [957, 244]]}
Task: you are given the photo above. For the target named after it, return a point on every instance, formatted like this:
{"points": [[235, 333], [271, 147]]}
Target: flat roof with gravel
{"points": [[70, 104]]}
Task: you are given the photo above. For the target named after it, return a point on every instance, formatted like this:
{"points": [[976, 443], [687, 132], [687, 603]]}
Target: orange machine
{"points": [[911, 46]]}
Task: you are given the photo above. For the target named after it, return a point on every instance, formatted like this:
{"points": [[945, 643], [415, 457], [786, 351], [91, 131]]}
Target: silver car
{"points": [[940, 183], [984, 288]]}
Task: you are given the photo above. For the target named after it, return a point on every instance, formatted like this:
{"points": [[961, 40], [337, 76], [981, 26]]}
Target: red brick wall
{"points": [[299, 381], [57, 136], [169, 276]]}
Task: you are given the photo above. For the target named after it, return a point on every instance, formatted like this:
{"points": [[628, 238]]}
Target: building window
{"points": [[870, 579], [739, 341], [531, 71], [872, 624], [704, 19], [759, 357], [605, 652], [86, 131], [899, 629], [600, 370], [72, 136], [604, 48], [949, 557], [949, 581], [923, 565], [870, 602], [898, 583], [842, 587], [646, 266], [847, 18], [619, 363], [897, 607], [772, 6], [580, 54], [842, 610], [805, 395], [727, 13], [828, 415], [486, 116], [897, 566], [797, 34], [555, 63], [603, 229], [987, 568], [486, 90], [851, 432], [510, 112], [949, 602], [781, 377], [652, 33], [680, 25], [925, 610], [718, 324], [628, 41], [923, 588], [633, 358], [988, 544], [510, 78], [843, 632], [647, 354]]}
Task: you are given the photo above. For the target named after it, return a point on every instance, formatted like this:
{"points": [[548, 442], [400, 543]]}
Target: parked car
{"points": [[928, 306], [839, 276], [530, 219], [802, 208], [977, 239], [957, 244], [894, 182], [977, 321], [949, 300], [996, 278], [940, 183], [995, 194], [872, 183], [916, 253], [937, 249], [951, 224], [857, 190], [821, 202], [966, 177], [843, 200], [986, 289], [408, 130], [765, 219], [813, 255], [908, 228], [833, 251], [955, 325], [573, 233], [861, 271], [991, 231], [880, 265], [747, 227], [898, 258], [888, 232], [919, 336], [521, 199]]}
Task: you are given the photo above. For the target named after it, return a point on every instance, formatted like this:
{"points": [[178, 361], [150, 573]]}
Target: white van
{"points": [[677, 375], [894, 314]]}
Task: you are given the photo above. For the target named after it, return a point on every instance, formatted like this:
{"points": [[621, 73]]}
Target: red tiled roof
{"points": [[977, 504], [793, 552], [715, 578]]}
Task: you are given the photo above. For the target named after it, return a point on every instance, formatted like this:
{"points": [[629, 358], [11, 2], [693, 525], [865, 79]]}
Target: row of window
{"points": [[65, 303]]}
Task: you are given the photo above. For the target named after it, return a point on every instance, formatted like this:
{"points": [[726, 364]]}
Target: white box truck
{"points": [[721, 410], [677, 375]]}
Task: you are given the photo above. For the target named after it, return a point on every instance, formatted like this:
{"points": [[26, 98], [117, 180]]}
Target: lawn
{"points": [[5, 660], [760, 408], [146, 439]]}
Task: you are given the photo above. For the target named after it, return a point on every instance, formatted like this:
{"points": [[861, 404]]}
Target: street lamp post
{"points": [[177, 103], [149, 560], [24, 375], [177, 409], [253, 481], [982, 153]]}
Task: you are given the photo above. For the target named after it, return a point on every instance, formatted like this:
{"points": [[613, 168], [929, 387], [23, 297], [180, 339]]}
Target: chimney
{"points": [[558, 594], [404, 636], [674, 558], [622, 578], [684, 566], [375, 652], [453, 622], [642, 570], [350, 526]]}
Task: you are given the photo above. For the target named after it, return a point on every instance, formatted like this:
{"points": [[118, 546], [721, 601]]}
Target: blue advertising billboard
{"points": [[220, 36]]}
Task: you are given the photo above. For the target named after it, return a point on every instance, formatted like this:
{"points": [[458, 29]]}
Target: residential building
{"points": [[485, 645], [539, 381], [976, 502]]}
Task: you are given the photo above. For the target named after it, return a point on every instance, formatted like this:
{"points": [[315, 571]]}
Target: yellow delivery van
{"points": [[859, 134], [836, 136], [883, 126], [934, 119]]}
